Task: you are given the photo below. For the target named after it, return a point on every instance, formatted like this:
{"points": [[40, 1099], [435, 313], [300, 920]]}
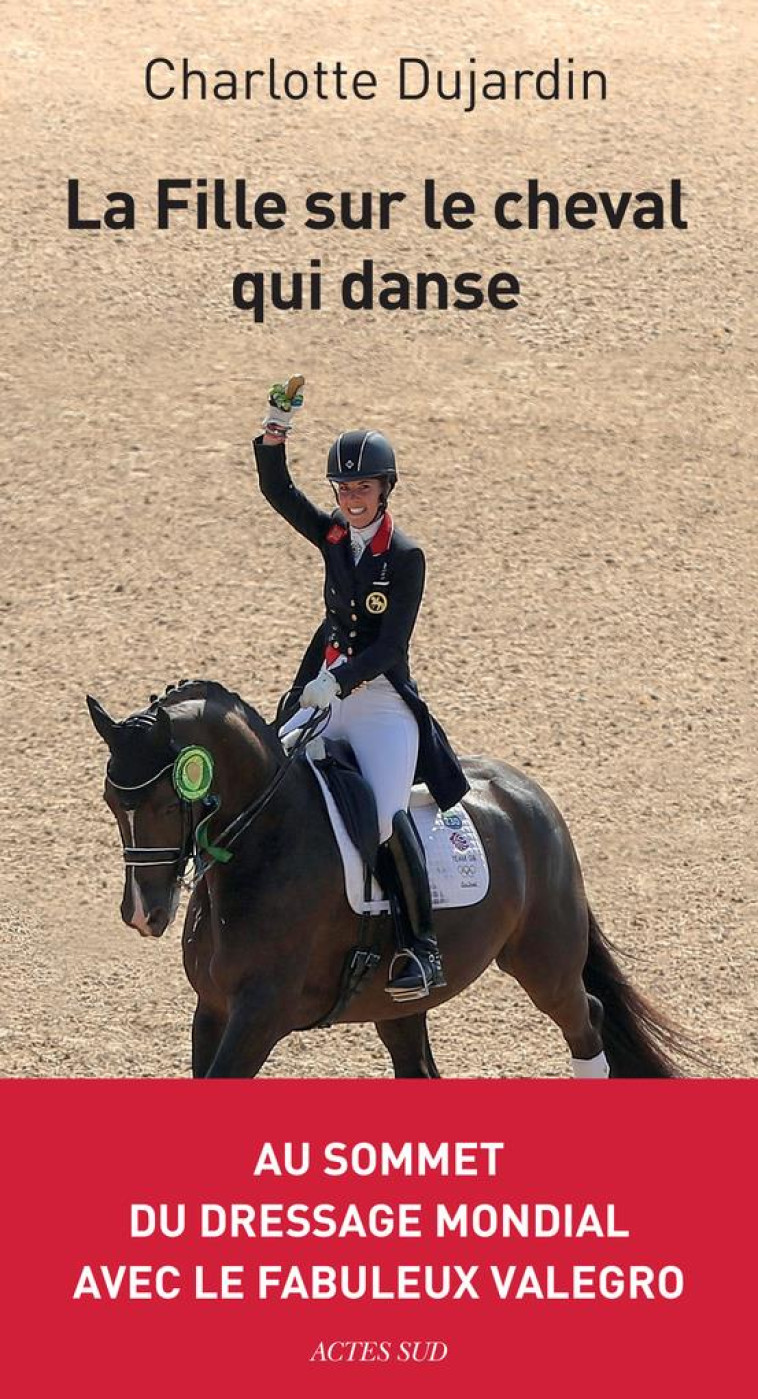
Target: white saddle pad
{"points": [[458, 871]]}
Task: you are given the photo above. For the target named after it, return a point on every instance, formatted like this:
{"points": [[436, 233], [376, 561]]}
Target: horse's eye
{"points": [[171, 806]]}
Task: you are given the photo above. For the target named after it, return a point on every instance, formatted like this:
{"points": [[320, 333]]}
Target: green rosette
{"points": [[193, 774]]}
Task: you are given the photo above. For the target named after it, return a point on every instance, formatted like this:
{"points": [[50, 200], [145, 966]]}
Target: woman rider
{"points": [[357, 661]]}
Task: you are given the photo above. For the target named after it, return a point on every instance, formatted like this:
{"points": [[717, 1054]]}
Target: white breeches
{"points": [[383, 734]]}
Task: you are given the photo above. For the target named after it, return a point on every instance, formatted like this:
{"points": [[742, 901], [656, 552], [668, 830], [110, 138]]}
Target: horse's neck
{"points": [[243, 760]]}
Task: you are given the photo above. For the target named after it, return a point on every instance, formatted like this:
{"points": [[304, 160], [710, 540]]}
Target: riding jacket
{"points": [[371, 608]]}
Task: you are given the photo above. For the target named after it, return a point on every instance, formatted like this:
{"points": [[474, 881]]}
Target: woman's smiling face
{"points": [[359, 501]]}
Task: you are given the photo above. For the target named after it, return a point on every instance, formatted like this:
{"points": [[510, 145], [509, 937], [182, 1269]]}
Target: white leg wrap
{"points": [[591, 1068]]}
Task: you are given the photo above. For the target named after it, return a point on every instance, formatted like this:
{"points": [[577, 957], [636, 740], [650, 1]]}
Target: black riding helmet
{"points": [[361, 455]]}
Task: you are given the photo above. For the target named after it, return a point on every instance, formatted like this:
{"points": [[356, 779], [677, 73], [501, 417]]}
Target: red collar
{"points": [[380, 542], [383, 537]]}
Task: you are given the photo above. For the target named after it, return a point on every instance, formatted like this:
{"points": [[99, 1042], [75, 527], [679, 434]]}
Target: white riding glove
{"points": [[319, 693], [284, 400], [289, 740]]}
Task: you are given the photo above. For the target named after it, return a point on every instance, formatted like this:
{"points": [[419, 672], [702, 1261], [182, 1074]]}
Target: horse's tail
{"points": [[637, 1038]]}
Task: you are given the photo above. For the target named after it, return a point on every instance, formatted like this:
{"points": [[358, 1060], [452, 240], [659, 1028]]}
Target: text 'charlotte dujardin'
{"points": [[463, 84]]}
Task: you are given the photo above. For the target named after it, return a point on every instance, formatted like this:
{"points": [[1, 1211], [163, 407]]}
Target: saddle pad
{"points": [[459, 874], [458, 871]]}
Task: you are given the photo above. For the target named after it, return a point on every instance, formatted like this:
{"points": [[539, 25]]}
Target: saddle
{"points": [[448, 842], [453, 851], [334, 763], [352, 795]]}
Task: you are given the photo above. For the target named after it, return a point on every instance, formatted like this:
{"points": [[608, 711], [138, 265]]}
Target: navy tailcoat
{"points": [[371, 608]]}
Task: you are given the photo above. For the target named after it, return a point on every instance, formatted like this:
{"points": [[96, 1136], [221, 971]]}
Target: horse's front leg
{"points": [[408, 1043], [207, 1030], [256, 1023]]}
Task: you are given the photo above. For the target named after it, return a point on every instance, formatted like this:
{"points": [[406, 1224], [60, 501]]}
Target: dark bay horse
{"points": [[266, 932]]}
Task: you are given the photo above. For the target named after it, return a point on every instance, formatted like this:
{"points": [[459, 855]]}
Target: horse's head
{"points": [[152, 819]]}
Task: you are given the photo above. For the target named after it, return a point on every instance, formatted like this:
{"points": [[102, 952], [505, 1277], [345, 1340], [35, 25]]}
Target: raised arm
{"points": [[273, 475]]}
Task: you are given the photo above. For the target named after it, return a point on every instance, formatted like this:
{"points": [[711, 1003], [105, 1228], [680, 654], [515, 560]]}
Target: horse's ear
{"points": [[162, 726], [101, 719]]}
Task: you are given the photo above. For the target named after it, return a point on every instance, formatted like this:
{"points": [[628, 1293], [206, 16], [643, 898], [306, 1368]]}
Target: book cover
{"points": [[516, 242]]}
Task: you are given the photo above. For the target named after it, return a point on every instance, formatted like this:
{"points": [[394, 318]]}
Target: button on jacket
{"points": [[371, 608]]}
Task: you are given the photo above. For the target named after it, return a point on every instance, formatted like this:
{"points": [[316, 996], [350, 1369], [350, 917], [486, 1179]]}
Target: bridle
{"points": [[135, 855], [195, 840]]}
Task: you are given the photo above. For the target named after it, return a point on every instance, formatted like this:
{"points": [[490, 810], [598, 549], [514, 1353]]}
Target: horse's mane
{"points": [[226, 701]]}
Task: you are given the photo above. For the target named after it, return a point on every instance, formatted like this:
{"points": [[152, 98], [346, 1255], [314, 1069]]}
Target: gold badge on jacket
{"points": [[376, 603]]}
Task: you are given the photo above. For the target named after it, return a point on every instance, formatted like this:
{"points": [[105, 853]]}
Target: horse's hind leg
{"points": [[548, 961], [579, 1018], [408, 1043]]}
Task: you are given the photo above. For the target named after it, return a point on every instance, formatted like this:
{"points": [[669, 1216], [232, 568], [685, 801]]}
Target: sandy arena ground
{"points": [[579, 472]]}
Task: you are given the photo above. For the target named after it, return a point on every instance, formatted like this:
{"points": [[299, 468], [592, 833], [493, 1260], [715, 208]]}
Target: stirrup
{"points": [[413, 993], [428, 983]]}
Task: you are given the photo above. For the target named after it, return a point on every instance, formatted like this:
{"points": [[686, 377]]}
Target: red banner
{"points": [[523, 1237]]}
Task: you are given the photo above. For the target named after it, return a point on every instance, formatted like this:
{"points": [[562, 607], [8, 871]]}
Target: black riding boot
{"points": [[417, 968]]}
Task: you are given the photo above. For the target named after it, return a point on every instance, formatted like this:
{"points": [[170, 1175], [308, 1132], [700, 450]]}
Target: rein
{"points": [[196, 838]]}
